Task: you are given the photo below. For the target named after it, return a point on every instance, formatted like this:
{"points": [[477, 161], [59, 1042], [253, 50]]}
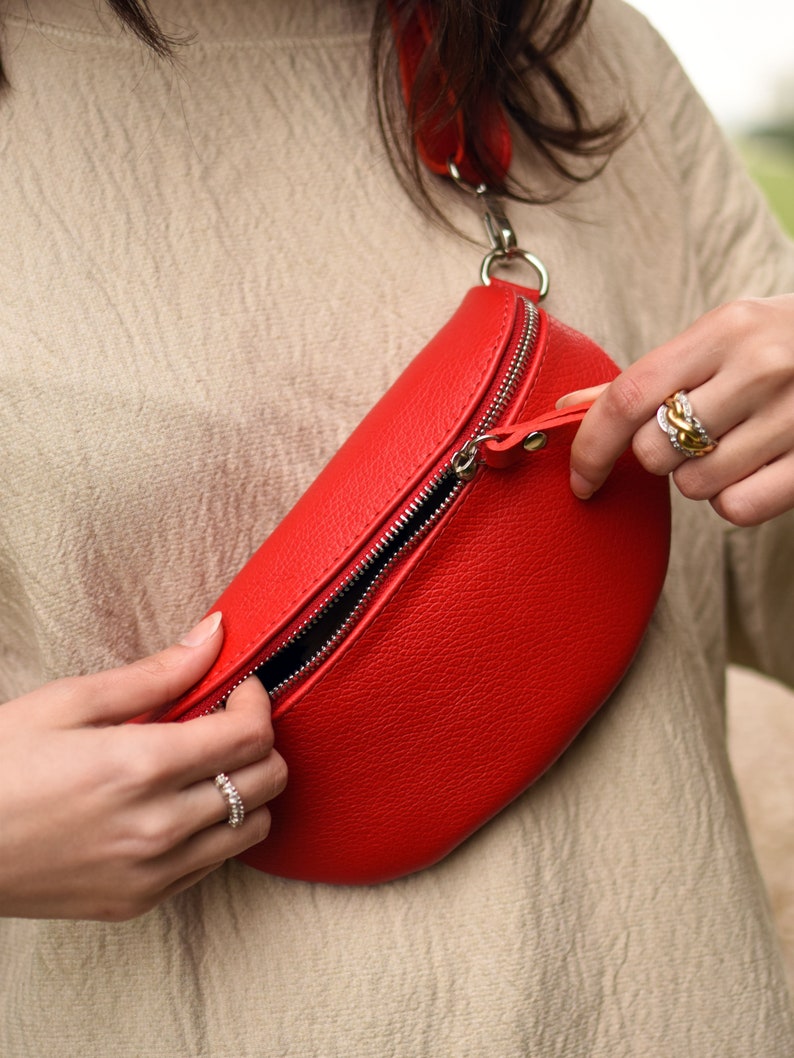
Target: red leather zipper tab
{"points": [[506, 445]]}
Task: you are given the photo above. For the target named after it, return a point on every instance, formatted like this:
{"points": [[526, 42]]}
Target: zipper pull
{"points": [[465, 461], [506, 445]]}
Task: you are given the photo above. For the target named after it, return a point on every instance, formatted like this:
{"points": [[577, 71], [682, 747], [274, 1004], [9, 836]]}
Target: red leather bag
{"points": [[438, 616]]}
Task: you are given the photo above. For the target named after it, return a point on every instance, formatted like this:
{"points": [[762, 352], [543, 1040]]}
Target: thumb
{"points": [[149, 684]]}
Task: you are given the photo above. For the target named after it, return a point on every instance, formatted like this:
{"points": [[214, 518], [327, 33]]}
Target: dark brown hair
{"points": [[503, 50], [507, 50]]}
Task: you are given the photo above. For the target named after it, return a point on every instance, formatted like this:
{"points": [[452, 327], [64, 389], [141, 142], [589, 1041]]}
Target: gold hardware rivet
{"points": [[535, 442]]}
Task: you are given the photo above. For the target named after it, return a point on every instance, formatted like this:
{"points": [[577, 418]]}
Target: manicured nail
{"points": [[581, 487], [203, 631]]}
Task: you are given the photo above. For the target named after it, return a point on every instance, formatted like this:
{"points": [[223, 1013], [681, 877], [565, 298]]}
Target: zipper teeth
{"points": [[319, 656], [414, 507], [500, 401], [514, 371], [351, 578]]}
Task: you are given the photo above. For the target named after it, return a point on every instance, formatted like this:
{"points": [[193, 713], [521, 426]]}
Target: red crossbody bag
{"points": [[438, 616]]}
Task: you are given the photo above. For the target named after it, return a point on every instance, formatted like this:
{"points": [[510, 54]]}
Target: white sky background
{"points": [[739, 53]]}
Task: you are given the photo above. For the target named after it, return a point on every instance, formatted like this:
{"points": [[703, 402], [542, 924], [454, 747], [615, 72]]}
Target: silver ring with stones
{"points": [[234, 803]]}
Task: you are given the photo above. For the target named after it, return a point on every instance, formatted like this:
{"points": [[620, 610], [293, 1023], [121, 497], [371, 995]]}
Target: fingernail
{"points": [[580, 486], [203, 631], [561, 402]]}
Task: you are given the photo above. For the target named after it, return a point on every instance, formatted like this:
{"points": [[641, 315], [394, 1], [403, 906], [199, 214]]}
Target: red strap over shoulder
{"points": [[439, 141]]}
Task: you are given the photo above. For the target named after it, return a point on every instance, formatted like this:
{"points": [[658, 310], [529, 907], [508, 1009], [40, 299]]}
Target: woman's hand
{"points": [[737, 364], [102, 819]]}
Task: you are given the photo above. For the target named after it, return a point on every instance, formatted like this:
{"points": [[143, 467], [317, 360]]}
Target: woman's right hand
{"points": [[103, 819]]}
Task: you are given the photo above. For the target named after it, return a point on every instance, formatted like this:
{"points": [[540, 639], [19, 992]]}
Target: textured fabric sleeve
{"points": [[742, 252], [761, 594]]}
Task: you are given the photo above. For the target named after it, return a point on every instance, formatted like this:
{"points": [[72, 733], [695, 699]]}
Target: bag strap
{"points": [[445, 147], [437, 142]]}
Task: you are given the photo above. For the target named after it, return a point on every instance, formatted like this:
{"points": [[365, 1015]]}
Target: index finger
{"points": [[628, 402], [225, 740]]}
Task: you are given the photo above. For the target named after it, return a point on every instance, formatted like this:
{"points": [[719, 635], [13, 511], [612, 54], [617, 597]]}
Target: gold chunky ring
{"points": [[686, 433], [234, 803]]}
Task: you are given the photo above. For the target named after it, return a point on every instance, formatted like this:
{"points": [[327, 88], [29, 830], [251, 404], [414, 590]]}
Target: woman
{"points": [[198, 261]]}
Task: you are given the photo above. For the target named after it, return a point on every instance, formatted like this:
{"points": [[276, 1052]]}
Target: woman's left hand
{"points": [[737, 365]]}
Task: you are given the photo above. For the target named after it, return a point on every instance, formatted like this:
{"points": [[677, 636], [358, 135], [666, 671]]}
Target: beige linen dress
{"points": [[208, 274]]}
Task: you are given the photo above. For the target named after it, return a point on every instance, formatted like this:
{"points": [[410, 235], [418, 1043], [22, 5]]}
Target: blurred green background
{"points": [[768, 153], [741, 61]]}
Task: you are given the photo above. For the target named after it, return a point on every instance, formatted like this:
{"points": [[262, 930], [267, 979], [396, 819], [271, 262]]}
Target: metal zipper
{"points": [[306, 649], [515, 371], [415, 522]]}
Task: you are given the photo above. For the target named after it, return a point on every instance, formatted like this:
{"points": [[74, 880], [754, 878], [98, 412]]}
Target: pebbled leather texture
{"points": [[485, 648]]}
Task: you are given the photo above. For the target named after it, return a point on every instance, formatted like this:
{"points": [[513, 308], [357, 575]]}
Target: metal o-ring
{"points": [[497, 256]]}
